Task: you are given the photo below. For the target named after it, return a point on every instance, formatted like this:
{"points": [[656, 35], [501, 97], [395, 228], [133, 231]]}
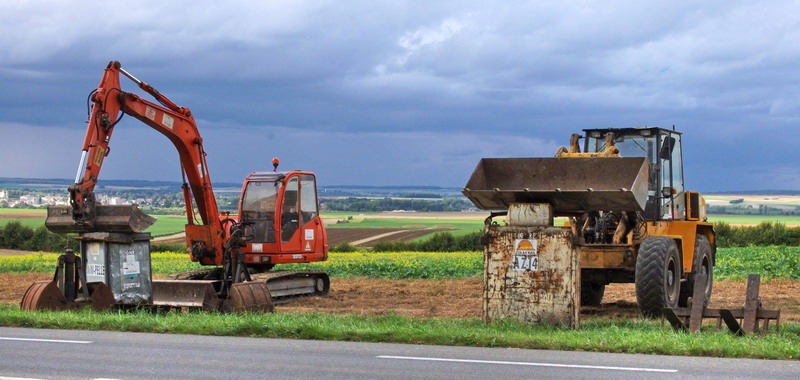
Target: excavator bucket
{"points": [[572, 185], [44, 295], [123, 218], [249, 297], [194, 294]]}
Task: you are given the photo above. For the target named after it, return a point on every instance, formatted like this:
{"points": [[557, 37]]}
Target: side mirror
{"points": [[666, 148]]}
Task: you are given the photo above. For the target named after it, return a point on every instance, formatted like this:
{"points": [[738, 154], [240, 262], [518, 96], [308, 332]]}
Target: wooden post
{"points": [[751, 304], [698, 302]]}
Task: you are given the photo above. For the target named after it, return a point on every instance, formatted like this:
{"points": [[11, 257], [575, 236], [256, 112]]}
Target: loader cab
{"points": [[281, 212], [662, 148]]}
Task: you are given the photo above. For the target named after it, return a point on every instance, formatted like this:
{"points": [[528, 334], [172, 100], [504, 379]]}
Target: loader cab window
{"points": [[670, 158], [290, 214], [638, 143], [258, 209], [308, 198]]}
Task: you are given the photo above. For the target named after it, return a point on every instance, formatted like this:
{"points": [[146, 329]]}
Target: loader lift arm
{"points": [[174, 122]]}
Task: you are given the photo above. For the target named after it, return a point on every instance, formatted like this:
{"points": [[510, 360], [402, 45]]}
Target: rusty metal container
{"points": [[572, 185], [531, 274], [121, 261]]}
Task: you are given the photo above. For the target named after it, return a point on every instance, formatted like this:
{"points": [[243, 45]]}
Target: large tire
{"points": [[702, 263], [592, 293], [658, 275]]}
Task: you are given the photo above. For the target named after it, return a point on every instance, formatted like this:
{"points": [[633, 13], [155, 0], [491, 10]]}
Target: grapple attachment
{"points": [[107, 218], [572, 185]]}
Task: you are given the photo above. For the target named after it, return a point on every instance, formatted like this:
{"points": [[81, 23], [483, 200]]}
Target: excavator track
{"points": [[287, 285]]}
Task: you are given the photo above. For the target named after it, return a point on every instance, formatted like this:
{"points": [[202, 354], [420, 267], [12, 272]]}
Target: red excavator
{"points": [[278, 219]]}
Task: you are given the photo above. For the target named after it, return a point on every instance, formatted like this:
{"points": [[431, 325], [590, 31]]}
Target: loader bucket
{"points": [[123, 218], [186, 294], [572, 185]]}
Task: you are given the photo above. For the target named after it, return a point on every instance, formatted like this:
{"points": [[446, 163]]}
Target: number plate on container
{"points": [[526, 255]]}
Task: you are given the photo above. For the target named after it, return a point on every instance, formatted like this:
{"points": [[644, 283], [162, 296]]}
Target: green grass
{"points": [[164, 225], [770, 262], [621, 335], [167, 225], [754, 219], [27, 222], [732, 263]]}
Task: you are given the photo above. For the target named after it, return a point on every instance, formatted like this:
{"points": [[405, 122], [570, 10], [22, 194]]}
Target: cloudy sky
{"points": [[406, 93]]}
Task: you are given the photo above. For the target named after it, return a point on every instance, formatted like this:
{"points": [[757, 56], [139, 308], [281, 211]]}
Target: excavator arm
{"points": [[174, 122]]}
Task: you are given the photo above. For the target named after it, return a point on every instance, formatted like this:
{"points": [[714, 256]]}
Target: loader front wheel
{"points": [[658, 275]]}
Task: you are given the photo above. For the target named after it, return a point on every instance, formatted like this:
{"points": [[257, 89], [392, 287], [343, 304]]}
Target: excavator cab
{"points": [[662, 149], [280, 212]]}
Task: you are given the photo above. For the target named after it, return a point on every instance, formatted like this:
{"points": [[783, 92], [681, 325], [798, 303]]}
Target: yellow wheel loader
{"points": [[629, 214]]}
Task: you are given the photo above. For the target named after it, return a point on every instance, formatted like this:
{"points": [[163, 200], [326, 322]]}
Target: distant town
{"points": [[38, 200], [167, 197]]}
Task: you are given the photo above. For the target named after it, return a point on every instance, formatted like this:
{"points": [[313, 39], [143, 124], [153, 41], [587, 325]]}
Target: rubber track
{"points": [[650, 272]]}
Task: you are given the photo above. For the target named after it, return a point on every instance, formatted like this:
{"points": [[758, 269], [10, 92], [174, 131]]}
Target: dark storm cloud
{"points": [[422, 88]]}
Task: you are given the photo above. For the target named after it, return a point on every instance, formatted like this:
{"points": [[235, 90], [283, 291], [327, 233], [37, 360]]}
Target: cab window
{"points": [[308, 197], [290, 218]]}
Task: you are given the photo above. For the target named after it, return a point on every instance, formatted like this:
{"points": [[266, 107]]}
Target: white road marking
{"points": [[529, 364], [48, 340]]}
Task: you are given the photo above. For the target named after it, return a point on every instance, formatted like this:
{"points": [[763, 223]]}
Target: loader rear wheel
{"points": [[592, 293], [702, 263], [658, 275]]}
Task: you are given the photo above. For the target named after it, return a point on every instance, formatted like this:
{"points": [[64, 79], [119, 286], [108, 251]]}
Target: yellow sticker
{"points": [[98, 157]]}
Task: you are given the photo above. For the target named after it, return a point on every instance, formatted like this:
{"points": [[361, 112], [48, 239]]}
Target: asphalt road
{"points": [[51, 354]]}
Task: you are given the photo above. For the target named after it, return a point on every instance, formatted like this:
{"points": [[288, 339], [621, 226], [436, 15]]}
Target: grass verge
{"points": [[625, 335]]}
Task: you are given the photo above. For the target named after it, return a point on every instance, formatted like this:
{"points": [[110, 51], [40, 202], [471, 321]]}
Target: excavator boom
{"points": [[174, 122]]}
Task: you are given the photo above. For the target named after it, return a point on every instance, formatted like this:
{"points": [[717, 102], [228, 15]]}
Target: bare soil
{"points": [[29, 214], [462, 298], [15, 252]]}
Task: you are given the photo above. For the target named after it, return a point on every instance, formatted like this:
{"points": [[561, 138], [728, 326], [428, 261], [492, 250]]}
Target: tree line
{"points": [[14, 235]]}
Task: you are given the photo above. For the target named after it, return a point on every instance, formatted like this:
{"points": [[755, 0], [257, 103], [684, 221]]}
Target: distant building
{"points": [[31, 199]]}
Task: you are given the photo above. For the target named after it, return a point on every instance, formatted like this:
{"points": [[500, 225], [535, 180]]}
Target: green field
{"points": [[164, 225], [456, 226], [732, 263], [630, 335], [755, 219]]}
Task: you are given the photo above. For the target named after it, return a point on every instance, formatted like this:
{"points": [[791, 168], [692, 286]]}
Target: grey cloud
{"points": [[371, 72]]}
